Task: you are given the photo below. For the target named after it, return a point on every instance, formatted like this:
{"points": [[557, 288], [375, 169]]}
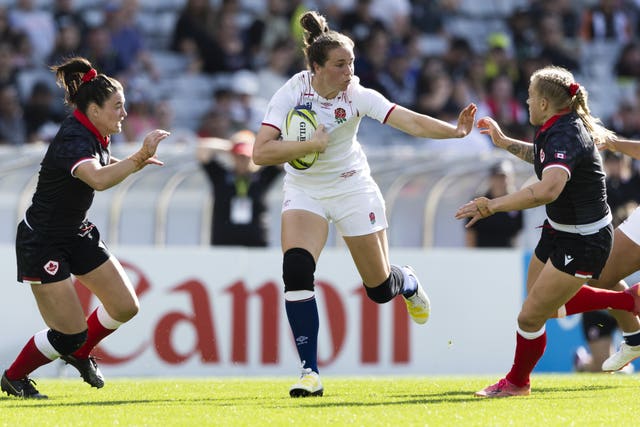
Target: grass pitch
{"points": [[556, 400]]}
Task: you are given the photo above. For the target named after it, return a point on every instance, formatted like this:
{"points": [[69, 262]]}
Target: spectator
{"points": [[606, 21], [396, 16], [501, 229], [68, 42], [523, 33], [66, 14], [358, 23], [8, 70], [268, 30], [227, 52], [12, 128], [277, 71], [499, 59], [372, 60], [193, 33], [239, 192], [38, 25], [435, 90], [127, 39], [141, 118], [555, 48], [565, 10], [398, 78], [623, 185], [627, 66], [457, 57], [502, 103], [249, 106], [215, 123], [41, 115], [101, 53]]}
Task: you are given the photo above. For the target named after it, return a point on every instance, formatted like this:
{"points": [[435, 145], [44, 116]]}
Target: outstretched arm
{"points": [[521, 149], [630, 147], [101, 177], [424, 126], [541, 193]]}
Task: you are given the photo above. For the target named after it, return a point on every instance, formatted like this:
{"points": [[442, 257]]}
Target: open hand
{"points": [[466, 119], [476, 209]]}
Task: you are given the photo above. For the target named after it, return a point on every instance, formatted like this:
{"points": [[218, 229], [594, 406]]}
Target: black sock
{"points": [[632, 340]]}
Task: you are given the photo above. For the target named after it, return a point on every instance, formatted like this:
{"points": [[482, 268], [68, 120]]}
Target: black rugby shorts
{"points": [[575, 254], [45, 259]]}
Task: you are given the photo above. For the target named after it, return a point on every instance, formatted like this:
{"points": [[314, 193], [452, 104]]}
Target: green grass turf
{"points": [[556, 400]]}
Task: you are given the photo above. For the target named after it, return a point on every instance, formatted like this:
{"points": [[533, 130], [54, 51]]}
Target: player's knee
{"points": [[66, 343], [388, 289], [380, 294], [126, 312], [298, 268]]}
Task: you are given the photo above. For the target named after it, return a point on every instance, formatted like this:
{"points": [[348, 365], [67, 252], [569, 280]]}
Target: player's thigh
{"points": [[304, 229], [623, 261], [111, 285], [60, 306], [370, 253], [552, 289], [534, 270]]}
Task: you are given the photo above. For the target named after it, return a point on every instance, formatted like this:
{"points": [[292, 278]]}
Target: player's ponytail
{"points": [[314, 25], [82, 83]]}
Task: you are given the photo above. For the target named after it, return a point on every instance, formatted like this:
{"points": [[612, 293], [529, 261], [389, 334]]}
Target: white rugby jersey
{"points": [[344, 160]]}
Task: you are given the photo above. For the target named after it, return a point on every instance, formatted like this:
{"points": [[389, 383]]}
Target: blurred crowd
{"points": [[208, 67]]}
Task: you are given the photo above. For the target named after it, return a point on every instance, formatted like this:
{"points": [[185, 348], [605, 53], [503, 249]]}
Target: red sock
{"points": [[528, 352], [29, 359], [96, 332], [589, 299]]}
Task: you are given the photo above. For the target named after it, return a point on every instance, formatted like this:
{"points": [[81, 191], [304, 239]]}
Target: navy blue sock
{"points": [[632, 340], [304, 322]]}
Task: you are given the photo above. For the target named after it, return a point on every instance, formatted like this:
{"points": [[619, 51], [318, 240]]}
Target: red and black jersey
{"points": [[563, 141], [61, 201]]}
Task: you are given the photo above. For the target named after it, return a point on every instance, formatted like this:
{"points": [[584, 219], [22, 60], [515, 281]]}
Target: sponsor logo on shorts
{"points": [[372, 217], [51, 267], [567, 259]]}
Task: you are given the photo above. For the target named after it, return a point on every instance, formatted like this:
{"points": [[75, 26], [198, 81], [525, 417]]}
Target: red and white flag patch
{"points": [[51, 267]]}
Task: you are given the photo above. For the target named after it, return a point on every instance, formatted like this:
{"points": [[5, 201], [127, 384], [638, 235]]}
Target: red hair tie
{"points": [[573, 88], [89, 75]]}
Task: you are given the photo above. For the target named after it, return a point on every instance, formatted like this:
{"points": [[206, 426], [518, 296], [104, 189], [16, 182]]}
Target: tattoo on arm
{"points": [[533, 196], [521, 151]]}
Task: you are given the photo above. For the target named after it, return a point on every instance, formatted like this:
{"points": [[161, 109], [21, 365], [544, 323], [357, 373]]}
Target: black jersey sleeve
{"points": [[561, 150], [74, 146]]}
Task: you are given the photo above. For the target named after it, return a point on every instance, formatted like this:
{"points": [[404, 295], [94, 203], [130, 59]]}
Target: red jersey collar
{"points": [[84, 120], [546, 125]]}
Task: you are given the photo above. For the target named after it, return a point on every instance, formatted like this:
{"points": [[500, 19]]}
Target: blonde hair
{"points": [[558, 85]]}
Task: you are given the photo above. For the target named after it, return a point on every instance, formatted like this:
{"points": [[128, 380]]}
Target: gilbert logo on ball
{"points": [[299, 125]]}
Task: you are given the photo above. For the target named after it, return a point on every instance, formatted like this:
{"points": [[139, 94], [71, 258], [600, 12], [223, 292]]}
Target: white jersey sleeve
{"points": [[372, 103]]}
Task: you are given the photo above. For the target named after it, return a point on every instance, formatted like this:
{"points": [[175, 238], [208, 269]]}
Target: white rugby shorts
{"points": [[631, 226], [354, 214]]}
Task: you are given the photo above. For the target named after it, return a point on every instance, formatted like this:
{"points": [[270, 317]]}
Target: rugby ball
{"points": [[299, 125]]}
